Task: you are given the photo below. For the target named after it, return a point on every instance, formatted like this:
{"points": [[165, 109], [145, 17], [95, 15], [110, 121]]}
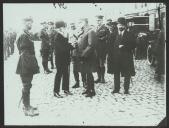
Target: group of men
{"points": [[87, 46], [9, 38], [91, 46]]}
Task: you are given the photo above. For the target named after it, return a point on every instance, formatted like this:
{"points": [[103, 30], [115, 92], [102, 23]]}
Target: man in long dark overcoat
{"points": [[120, 61], [87, 54]]}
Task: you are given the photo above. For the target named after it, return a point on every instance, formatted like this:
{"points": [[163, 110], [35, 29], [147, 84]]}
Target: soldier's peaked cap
{"points": [[99, 16], [28, 19]]}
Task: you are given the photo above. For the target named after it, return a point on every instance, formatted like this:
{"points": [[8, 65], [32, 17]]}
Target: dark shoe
{"points": [[57, 95], [115, 91], [90, 94], [68, 93], [76, 85], [97, 81], [52, 67], [126, 92], [85, 92]]}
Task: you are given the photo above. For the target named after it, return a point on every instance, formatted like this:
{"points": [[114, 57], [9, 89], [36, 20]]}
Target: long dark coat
{"points": [[45, 47], [102, 35], [121, 59], [27, 63], [61, 49], [86, 51]]}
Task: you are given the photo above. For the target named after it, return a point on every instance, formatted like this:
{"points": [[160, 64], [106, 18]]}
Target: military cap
{"points": [[99, 17], [50, 23], [84, 19], [28, 19], [43, 23], [109, 20], [60, 24], [121, 20]]}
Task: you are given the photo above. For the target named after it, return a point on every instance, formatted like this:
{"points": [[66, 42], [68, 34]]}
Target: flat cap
{"points": [[59, 24], [28, 19], [121, 20], [99, 16]]}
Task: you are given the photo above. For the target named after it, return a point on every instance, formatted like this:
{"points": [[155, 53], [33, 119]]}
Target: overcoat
{"points": [[27, 63], [61, 49], [121, 59], [45, 47], [102, 35], [87, 50]]}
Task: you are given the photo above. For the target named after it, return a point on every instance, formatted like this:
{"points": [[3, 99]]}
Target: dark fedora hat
{"points": [[43, 23], [121, 20], [99, 16], [60, 24]]}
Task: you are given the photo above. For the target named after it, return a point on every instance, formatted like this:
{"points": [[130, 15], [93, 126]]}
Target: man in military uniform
{"points": [[86, 52], [27, 65], [51, 34], [73, 39], [102, 33], [121, 59], [45, 47]]}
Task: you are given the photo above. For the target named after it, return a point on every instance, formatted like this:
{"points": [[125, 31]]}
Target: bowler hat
{"points": [[99, 17], [121, 20], [60, 24]]}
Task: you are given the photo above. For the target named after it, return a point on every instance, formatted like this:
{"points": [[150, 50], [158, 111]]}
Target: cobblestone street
{"points": [[145, 106]]}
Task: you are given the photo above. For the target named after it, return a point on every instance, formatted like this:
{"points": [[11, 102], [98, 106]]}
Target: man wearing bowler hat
{"points": [[121, 61], [102, 33], [45, 47]]}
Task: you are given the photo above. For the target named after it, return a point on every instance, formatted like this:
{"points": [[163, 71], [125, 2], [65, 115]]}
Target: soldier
{"points": [[45, 47], [87, 55], [27, 65], [73, 38], [102, 33], [121, 59], [12, 40], [51, 34], [5, 44], [62, 59]]}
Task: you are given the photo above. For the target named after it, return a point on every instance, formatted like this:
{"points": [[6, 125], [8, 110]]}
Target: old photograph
{"points": [[84, 64]]}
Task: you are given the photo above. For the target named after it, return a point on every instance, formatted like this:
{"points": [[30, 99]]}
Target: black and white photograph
{"points": [[84, 64]]}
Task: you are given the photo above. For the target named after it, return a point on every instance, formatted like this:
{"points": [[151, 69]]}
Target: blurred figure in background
{"points": [[102, 33], [51, 43], [45, 47]]}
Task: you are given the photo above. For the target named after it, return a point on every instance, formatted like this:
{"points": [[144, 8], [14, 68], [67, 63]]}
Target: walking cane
{"points": [[20, 101]]}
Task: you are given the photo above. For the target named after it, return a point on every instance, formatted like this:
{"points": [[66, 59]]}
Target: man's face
{"points": [[28, 25], [120, 27], [45, 26], [99, 22], [50, 27], [81, 24]]}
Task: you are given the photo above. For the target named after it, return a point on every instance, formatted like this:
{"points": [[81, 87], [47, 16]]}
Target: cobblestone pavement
{"points": [[145, 106]]}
